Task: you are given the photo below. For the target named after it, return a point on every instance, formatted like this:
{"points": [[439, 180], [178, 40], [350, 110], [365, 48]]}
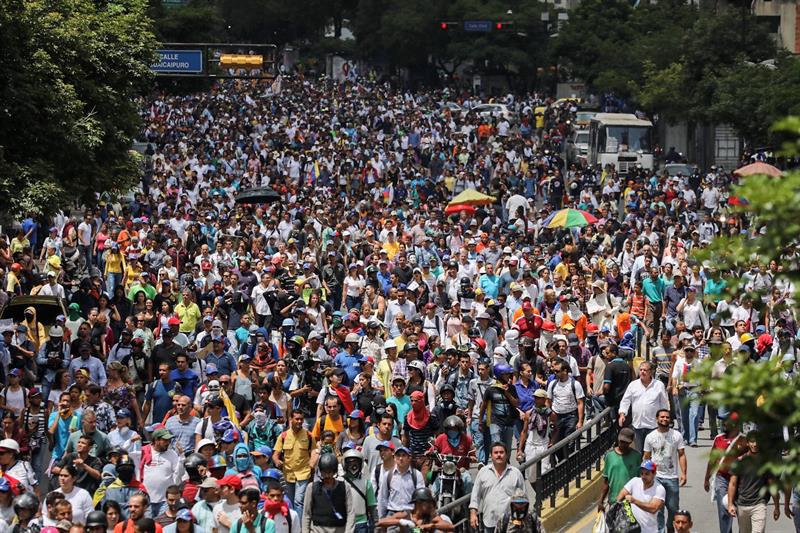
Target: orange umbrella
{"points": [[758, 168], [458, 208]]}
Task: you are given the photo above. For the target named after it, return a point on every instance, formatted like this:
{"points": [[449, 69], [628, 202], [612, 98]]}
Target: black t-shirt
{"points": [[618, 374], [84, 480], [750, 483], [500, 410]]}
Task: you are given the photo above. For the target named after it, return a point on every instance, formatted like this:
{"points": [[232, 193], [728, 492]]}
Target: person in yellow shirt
{"points": [[331, 418], [392, 245], [115, 268], [132, 273], [292, 454], [188, 312]]}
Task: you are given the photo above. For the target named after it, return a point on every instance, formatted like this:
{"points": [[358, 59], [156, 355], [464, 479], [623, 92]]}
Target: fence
{"points": [[580, 455]]}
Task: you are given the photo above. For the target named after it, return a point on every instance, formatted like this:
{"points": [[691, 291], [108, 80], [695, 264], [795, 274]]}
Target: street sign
{"points": [[478, 25], [178, 62]]}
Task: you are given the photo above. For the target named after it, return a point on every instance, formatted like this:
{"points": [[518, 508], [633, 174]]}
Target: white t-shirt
{"points": [[647, 521], [232, 511], [81, 504], [562, 397], [663, 448], [165, 469], [14, 399]]}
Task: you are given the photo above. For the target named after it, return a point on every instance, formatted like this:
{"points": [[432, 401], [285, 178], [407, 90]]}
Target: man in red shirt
{"points": [[455, 441], [529, 324]]}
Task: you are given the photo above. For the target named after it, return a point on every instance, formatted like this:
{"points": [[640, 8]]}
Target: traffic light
{"points": [[241, 61], [504, 26], [448, 25]]}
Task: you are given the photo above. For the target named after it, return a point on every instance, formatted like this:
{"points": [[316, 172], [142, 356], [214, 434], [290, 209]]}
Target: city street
{"points": [[693, 498]]}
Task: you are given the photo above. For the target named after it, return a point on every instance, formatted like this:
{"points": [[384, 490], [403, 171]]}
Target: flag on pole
{"points": [[277, 85]]}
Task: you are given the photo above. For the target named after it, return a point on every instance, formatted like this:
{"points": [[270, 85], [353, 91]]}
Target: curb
{"points": [[568, 509]]}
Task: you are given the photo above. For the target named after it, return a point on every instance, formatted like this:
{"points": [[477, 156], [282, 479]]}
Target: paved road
{"points": [[694, 498]]}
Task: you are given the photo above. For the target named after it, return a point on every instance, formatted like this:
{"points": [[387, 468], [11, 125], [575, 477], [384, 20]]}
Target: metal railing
{"points": [[572, 460]]}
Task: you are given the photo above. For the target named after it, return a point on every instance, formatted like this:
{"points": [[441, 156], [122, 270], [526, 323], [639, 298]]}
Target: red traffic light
{"points": [[504, 26], [448, 25]]}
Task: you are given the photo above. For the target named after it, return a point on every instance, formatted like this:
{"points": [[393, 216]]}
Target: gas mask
{"points": [[519, 510], [353, 466]]}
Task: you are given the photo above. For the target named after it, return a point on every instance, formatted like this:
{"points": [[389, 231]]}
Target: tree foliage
{"points": [[71, 72], [761, 393]]}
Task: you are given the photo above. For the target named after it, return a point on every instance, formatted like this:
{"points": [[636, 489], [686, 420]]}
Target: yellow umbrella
{"points": [[472, 197]]}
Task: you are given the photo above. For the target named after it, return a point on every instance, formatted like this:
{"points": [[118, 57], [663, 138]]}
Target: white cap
{"points": [[9, 444], [389, 344], [203, 442]]}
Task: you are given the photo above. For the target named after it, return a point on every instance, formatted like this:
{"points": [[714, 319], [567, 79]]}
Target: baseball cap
{"points": [[184, 515], [231, 480], [174, 321], [539, 393], [209, 483], [9, 444], [402, 449], [648, 465], [385, 444], [163, 434], [123, 413]]}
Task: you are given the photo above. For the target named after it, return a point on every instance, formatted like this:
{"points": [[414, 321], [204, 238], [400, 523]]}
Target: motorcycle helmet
{"points": [[454, 423], [26, 501], [273, 473], [328, 463], [417, 365], [193, 464], [96, 518], [125, 468], [353, 462], [422, 494], [502, 369], [447, 388], [519, 505]]}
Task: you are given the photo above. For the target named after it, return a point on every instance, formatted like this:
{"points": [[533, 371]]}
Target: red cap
{"points": [[205, 265], [549, 325], [174, 321], [527, 306], [592, 328], [231, 480]]}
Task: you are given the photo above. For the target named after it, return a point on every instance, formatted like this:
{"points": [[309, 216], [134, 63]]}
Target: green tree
{"points": [[197, 22], [71, 72], [761, 393]]}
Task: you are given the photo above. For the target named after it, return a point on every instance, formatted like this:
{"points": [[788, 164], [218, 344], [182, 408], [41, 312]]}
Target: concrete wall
{"points": [[789, 12]]}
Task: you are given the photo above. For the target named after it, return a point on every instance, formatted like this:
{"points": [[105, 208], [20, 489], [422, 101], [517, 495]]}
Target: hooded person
{"points": [[244, 467], [36, 331], [600, 305], [420, 426], [511, 342], [74, 319], [122, 488], [263, 430]]}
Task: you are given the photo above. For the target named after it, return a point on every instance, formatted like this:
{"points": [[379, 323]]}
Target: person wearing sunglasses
{"points": [[646, 496]]}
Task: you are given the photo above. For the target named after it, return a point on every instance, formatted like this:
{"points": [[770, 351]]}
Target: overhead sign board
{"points": [[478, 25], [178, 62]]}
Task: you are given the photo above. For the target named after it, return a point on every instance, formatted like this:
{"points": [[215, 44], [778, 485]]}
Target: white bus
{"points": [[620, 139]]}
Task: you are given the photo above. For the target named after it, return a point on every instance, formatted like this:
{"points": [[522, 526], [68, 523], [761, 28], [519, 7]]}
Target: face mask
{"points": [[260, 418], [28, 316], [453, 438], [125, 475]]}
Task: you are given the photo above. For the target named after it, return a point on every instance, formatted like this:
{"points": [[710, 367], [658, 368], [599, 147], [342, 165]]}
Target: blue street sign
{"points": [[178, 62], [478, 25]]}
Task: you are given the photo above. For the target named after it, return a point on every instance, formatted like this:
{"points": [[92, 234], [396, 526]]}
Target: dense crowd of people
{"points": [[341, 359]]}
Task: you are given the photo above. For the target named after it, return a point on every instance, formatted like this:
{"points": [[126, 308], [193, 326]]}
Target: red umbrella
{"points": [[459, 208]]}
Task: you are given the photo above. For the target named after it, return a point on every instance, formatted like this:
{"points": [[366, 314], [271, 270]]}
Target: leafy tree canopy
{"points": [[71, 73]]}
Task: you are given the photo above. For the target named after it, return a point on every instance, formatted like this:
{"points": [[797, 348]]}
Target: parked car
{"points": [[492, 110], [581, 141], [47, 309], [454, 109], [673, 169], [582, 118]]}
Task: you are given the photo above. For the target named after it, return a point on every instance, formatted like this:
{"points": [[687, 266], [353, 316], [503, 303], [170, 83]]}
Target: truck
{"points": [[621, 139]]}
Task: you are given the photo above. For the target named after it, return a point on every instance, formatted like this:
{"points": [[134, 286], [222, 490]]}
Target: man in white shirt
{"points": [[52, 288], [646, 496], [161, 468], [645, 397], [665, 447]]}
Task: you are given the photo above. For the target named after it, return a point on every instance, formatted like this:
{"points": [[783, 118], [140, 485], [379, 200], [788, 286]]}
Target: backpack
{"points": [[552, 385], [391, 474]]}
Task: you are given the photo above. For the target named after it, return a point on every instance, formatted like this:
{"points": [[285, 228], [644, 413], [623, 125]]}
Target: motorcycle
{"points": [[445, 469]]}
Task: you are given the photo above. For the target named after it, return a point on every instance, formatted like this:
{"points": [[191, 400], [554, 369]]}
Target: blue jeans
{"points": [[297, 493], [352, 302], [479, 439], [363, 528], [725, 519], [690, 407], [671, 504], [113, 279], [504, 434]]}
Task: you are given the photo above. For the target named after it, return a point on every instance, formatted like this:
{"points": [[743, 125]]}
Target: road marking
{"points": [[583, 522]]}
